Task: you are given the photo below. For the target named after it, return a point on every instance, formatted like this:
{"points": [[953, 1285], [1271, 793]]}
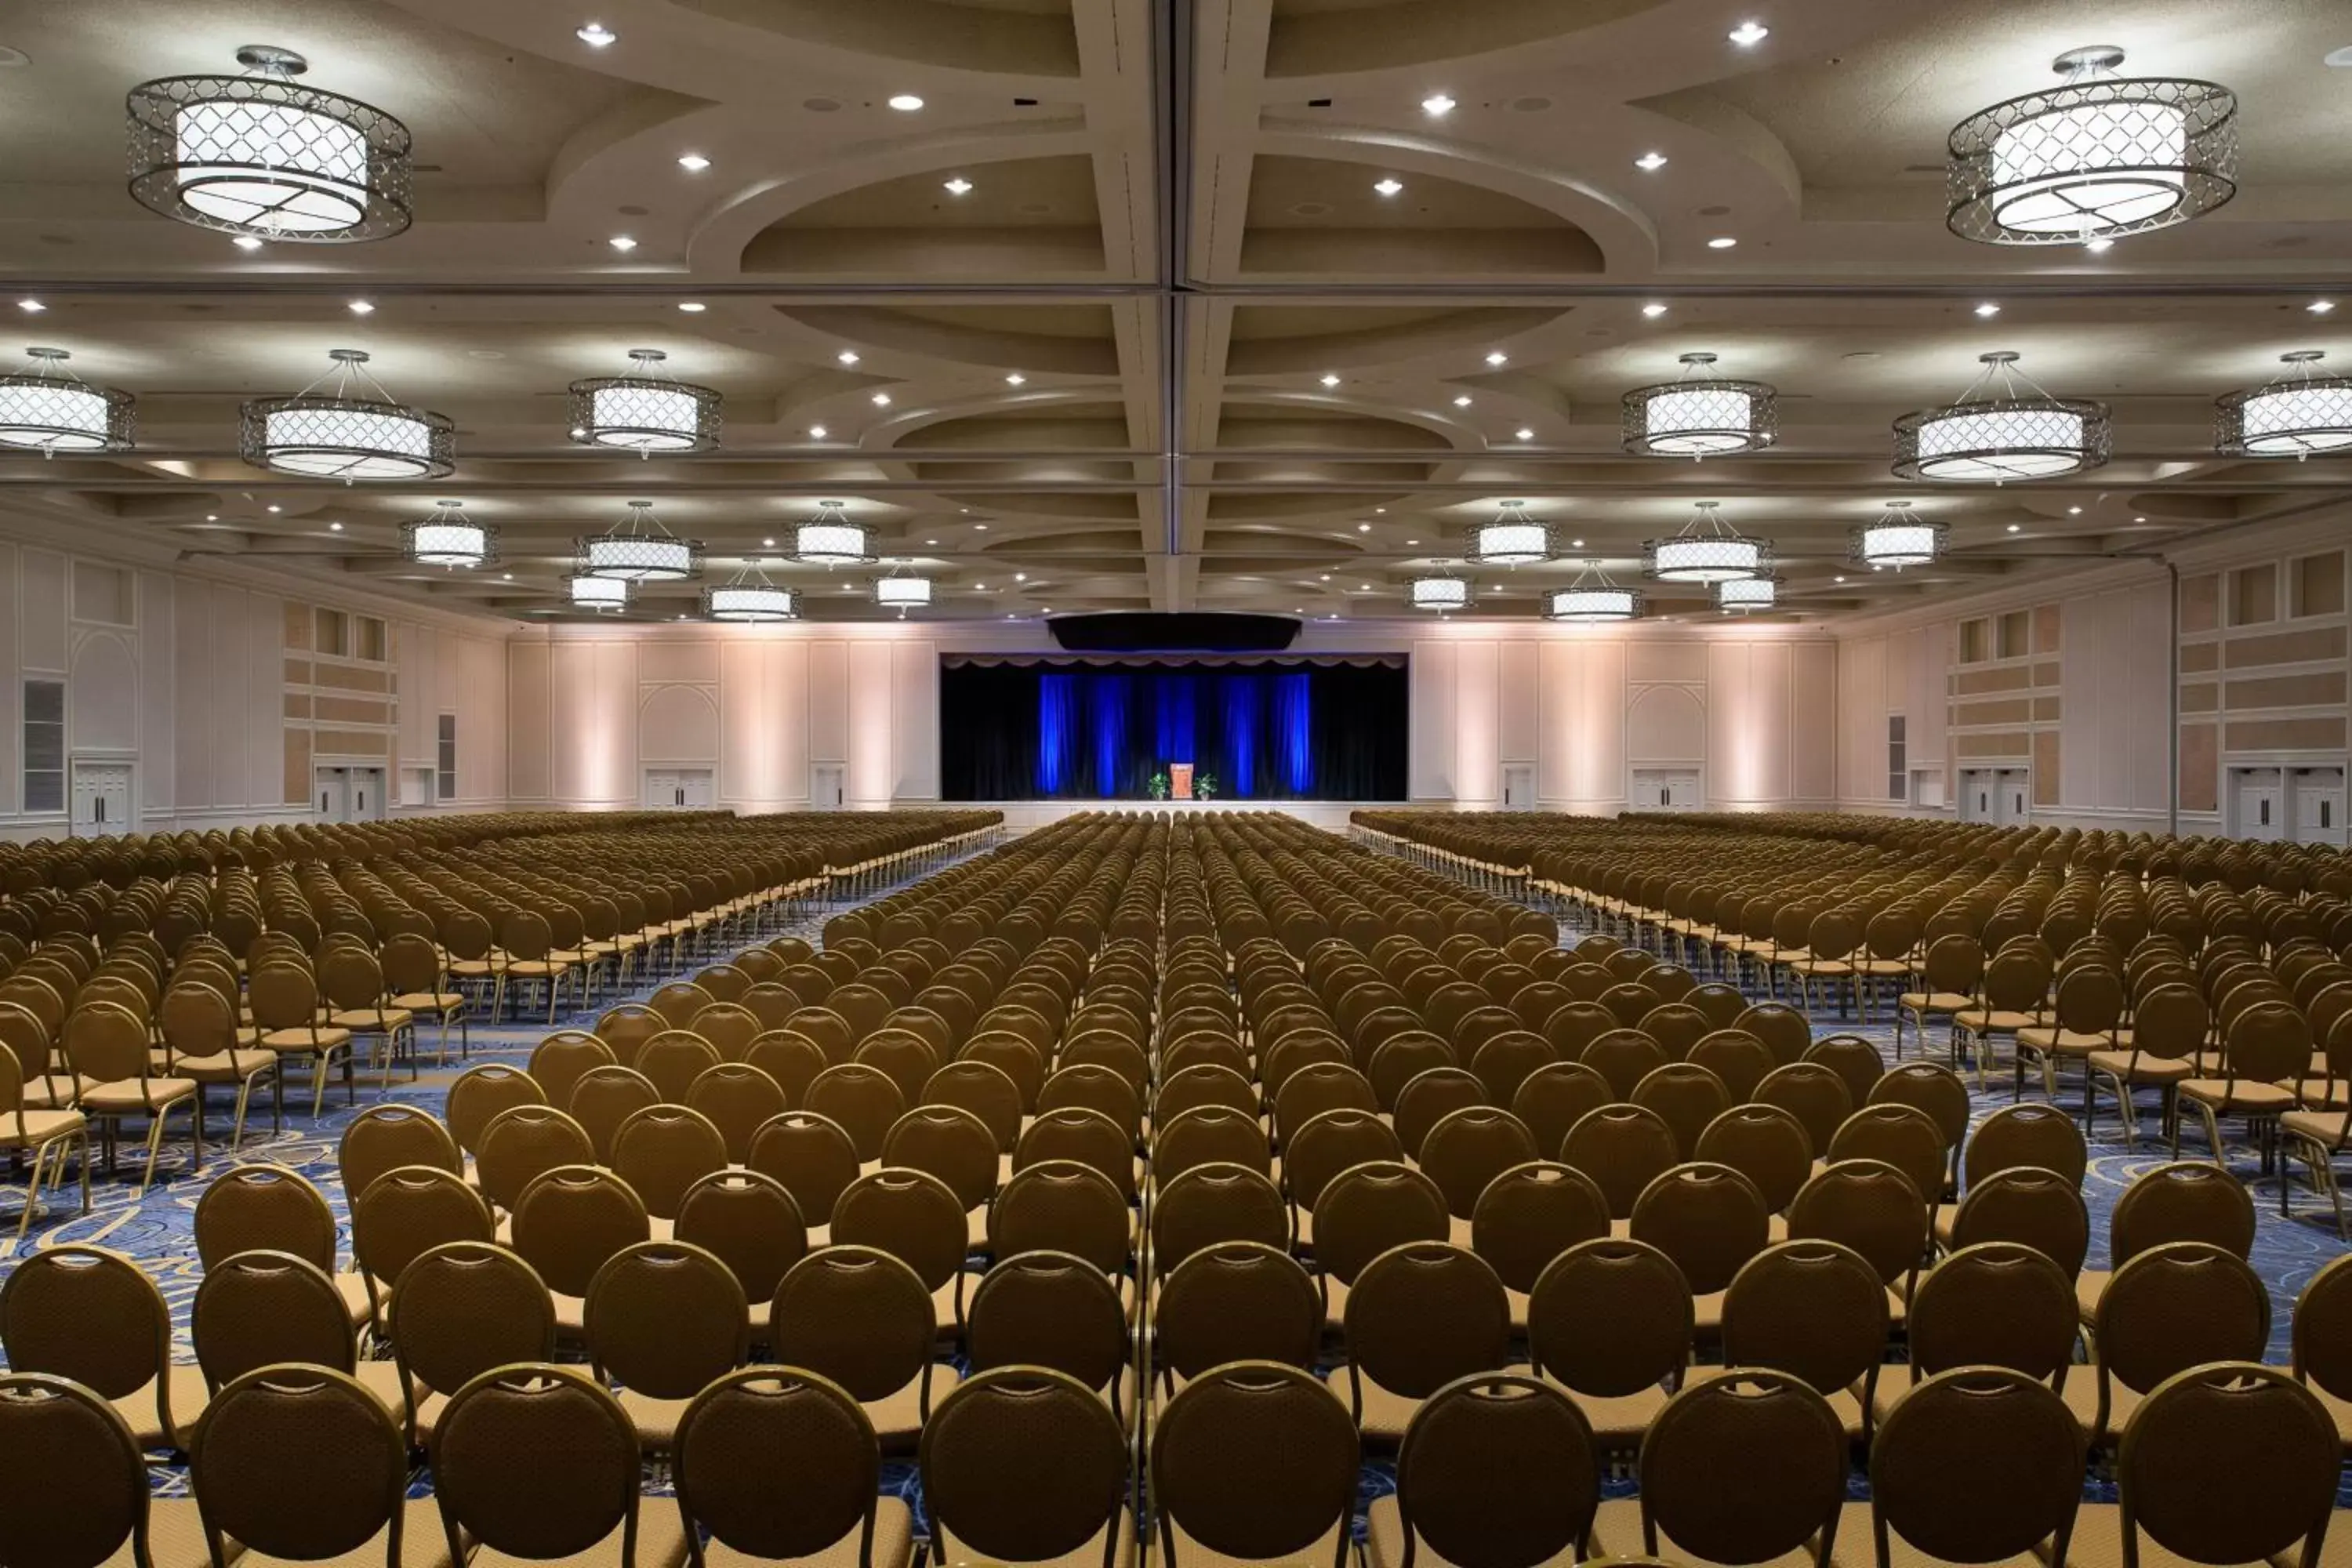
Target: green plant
{"points": [[1205, 785], [1158, 786]]}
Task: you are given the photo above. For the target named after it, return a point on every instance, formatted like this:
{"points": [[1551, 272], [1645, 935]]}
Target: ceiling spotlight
{"points": [[2320, 307], [1021, 576], [1327, 379], [1388, 186], [246, 242], [1499, 358], [1412, 541], [905, 102], [2295, 415], [1700, 415], [505, 577], [648, 410], [1721, 242], [362, 308], [1840, 578], [51, 408], [273, 509], [979, 528], [816, 432], [2013, 528], [1436, 104], [1650, 163], [1017, 379], [1364, 528], [334, 528], [847, 357], [2096, 156], [595, 35], [1988, 309], [1897, 539], [638, 549], [31, 306], [693, 163], [350, 431], [621, 243], [881, 400], [2073, 511], [2099, 246], [1325, 577], [1523, 434], [1706, 551], [258, 154], [1575, 545], [1654, 310], [959, 186], [768, 543], [1748, 35], [2003, 427], [692, 307], [930, 542], [1462, 401]]}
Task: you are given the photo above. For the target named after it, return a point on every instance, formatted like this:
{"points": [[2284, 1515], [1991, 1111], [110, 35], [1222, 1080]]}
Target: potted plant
{"points": [[1158, 785], [1204, 785]]}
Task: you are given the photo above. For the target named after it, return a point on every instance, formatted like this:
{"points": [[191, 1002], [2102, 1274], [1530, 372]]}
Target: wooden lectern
{"points": [[1179, 781]]}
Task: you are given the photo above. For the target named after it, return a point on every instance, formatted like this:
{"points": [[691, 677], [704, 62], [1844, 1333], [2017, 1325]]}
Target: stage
{"points": [[1023, 815]]}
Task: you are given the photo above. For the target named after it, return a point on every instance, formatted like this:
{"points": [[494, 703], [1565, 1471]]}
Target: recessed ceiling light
{"points": [[2320, 307], [1379, 511], [1837, 579], [1721, 242], [2073, 511], [1021, 576], [767, 544], [930, 542], [31, 306], [1325, 577], [881, 400], [1462, 401], [362, 308], [1523, 434], [2100, 246], [1017, 379], [212, 517], [1329, 380], [1499, 358], [959, 186], [1388, 188], [1748, 35], [1650, 163], [1654, 310], [505, 577], [1988, 309], [595, 35], [905, 102], [273, 508], [2139, 519], [1412, 541], [621, 243], [1575, 545], [979, 528], [693, 163], [1364, 528], [1437, 103], [2013, 528], [692, 307], [816, 432], [334, 528], [246, 242]]}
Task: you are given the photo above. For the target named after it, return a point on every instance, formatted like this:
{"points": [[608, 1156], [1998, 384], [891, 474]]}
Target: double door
{"points": [[678, 789]]}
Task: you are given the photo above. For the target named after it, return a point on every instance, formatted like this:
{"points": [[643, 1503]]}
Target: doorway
{"points": [[350, 794], [678, 789], [2315, 806], [102, 799], [825, 784], [2257, 804], [2002, 796], [1519, 786], [1663, 789]]}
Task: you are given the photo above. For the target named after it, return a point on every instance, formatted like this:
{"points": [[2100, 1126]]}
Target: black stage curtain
{"points": [[1286, 729]]}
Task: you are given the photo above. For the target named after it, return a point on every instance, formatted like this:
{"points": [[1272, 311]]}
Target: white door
{"points": [[2257, 806], [1664, 789], [1979, 791], [367, 795], [825, 781], [1519, 786], [2016, 805], [694, 788], [2316, 796], [102, 799], [333, 791], [661, 789]]}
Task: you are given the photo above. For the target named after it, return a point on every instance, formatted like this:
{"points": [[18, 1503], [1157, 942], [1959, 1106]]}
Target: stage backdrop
{"points": [[1042, 727]]}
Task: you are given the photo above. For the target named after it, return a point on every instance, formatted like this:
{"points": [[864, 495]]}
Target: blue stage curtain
{"points": [[1239, 780], [1057, 732], [1174, 739], [1293, 733], [1109, 696]]}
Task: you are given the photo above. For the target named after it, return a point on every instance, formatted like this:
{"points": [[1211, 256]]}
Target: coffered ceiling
{"points": [[1220, 317]]}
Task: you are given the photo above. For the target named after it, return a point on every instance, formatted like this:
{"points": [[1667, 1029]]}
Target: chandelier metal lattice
{"points": [[1708, 550], [48, 408], [749, 598], [638, 549], [603, 594], [261, 155], [649, 412], [1761, 592], [1700, 415], [2097, 157], [1513, 539], [2003, 427], [1898, 538], [1441, 593], [450, 538], [903, 591], [2295, 415], [353, 431], [830, 539], [1592, 600]]}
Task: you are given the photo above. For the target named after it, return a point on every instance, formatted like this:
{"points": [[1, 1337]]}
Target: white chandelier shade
{"points": [[598, 594], [638, 549], [1700, 415], [1592, 600], [830, 539], [2003, 427], [902, 592], [1440, 593], [345, 434], [2097, 157], [1897, 540], [47, 409], [450, 538], [1760, 593], [648, 411], [1511, 539], [261, 155], [750, 600], [2296, 415], [1706, 551]]}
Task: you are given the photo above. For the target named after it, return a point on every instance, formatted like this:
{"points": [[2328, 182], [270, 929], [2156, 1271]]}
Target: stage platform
{"points": [[1024, 814]]}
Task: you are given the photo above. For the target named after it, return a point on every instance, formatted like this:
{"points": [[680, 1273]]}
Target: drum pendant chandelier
{"points": [[1511, 539], [1701, 416], [1592, 600], [344, 433], [830, 539], [450, 538], [48, 408], [2295, 415], [903, 591], [1746, 593], [1440, 592], [638, 549], [2097, 157], [261, 156], [1706, 551], [649, 412], [1897, 540], [750, 599], [1997, 433], [598, 594]]}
